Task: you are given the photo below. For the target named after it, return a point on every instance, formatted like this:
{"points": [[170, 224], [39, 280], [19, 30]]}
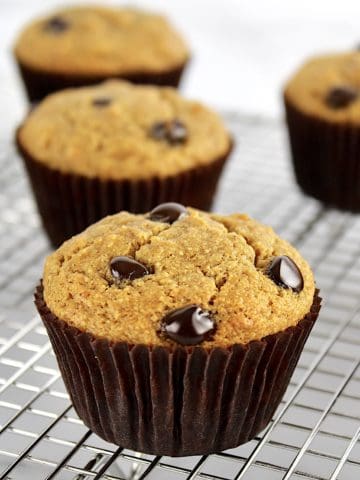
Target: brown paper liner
{"points": [[175, 401], [326, 158], [68, 203], [38, 84]]}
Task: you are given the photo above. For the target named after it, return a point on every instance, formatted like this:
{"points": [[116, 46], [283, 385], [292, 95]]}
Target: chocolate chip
{"points": [[341, 96], [177, 132], [285, 273], [101, 102], [126, 268], [158, 131], [168, 212], [188, 325], [56, 25], [173, 132]]}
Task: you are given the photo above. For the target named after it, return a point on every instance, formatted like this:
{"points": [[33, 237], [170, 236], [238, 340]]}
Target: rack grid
{"points": [[315, 434]]}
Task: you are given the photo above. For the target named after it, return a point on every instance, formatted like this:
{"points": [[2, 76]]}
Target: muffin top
{"points": [[118, 130], [328, 87], [101, 41], [178, 276]]}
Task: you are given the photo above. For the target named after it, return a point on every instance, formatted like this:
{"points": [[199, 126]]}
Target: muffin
{"points": [[177, 321], [322, 103], [95, 151], [82, 46]]}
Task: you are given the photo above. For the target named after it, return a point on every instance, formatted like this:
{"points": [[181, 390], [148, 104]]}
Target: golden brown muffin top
{"points": [[221, 264], [328, 87], [101, 41], [118, 130]]}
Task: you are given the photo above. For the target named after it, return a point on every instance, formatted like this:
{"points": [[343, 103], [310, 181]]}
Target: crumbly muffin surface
{"points": [[101, 41], [106, 131], [219, 263], [310, 87]]}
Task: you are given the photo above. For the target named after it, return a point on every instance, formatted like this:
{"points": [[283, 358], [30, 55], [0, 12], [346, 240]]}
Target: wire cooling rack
{"points": [[315, 432]]}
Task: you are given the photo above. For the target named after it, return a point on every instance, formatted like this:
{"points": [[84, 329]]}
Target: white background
{"points": [[243, 50]]}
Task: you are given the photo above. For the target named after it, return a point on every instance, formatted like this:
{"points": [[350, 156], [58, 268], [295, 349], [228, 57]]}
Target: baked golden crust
{"points": [[309, 87], [102, 41], [69, 133], [218, 263]]}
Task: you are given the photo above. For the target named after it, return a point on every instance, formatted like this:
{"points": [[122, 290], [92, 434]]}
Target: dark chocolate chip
{"points": [[285, 273], [127, 268], [188, 325], [341, 96], [158, 131], [173, 132], [168, 212], [56, 25], [101, 102], [177, 132]]}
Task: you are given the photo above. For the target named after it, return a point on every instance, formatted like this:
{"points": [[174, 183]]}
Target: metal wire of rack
{"points": [[315, 433]]}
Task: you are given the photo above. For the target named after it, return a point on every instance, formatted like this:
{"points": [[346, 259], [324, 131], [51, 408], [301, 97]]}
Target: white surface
{"points": [[242, 50]]}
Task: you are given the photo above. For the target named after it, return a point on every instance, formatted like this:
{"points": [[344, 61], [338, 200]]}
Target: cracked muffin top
{"points": [[101, 41], [178, 276], [117, 130], [328, 87]]}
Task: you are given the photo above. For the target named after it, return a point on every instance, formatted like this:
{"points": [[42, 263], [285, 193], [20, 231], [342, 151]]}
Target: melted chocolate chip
{"points": [[168, 212], [341, 96], [177, 132], [285, 273], [56, 25], [126, 268], [188, 325], [173, 132], [158, 131], [101, 102]]}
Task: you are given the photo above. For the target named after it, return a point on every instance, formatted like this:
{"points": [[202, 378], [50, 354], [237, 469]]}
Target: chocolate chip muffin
{"points": [[177, 320], [94, 151], [322, 103], [85, 45]]}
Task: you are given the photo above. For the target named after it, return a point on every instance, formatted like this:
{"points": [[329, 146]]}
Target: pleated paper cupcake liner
{"points": [[38, 84], [68, 203], [175, 401], [326, 158]]}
